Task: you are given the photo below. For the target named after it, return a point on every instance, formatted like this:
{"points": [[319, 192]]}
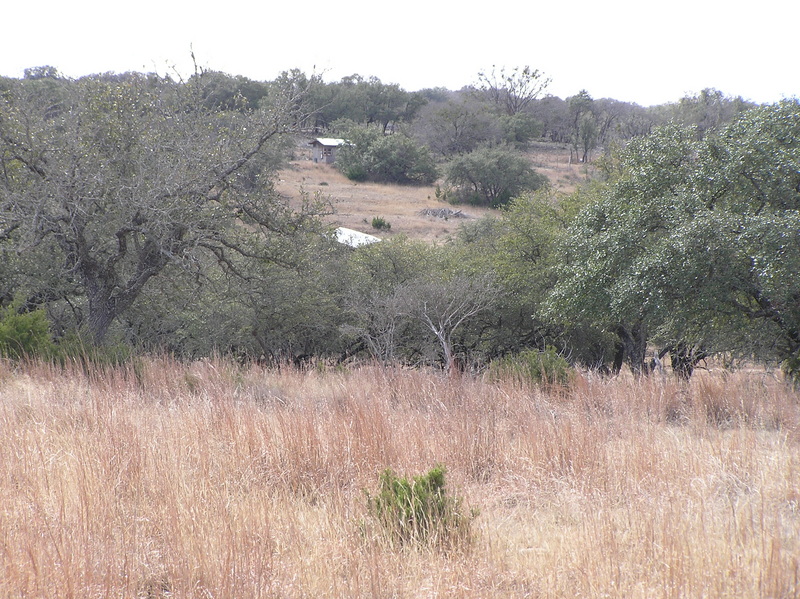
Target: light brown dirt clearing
{"points": [[356, 204]]}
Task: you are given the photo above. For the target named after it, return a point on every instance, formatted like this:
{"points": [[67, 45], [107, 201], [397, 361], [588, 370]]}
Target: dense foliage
{"points": [[492, 176], [138, 211], [548, 367], [374, 156], [116, 182], [24, 335], [695, 242]]}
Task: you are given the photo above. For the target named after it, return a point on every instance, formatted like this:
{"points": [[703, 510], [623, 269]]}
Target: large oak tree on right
{"points": [[696, 243]]}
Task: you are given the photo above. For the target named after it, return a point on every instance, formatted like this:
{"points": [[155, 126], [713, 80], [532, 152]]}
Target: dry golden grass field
{"points": [[161, 479], [356, 204]]}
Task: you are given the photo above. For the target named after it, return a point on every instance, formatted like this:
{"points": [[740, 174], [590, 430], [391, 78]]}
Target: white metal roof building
{"points": [[323, 149], [354, 238]]}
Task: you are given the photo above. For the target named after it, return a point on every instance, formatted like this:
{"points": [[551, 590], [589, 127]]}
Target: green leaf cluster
{"points": [[694, 241], [492, 176]]}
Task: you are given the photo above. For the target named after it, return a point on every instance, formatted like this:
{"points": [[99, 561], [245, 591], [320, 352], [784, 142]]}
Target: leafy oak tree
{"points": [[371, 155], [365, 101], [492, 176], [599, 282], [117, 179], [694, 243]]}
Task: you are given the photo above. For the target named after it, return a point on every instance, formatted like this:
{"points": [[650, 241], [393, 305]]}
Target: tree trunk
{"points": [[101, 314], [106, 303], [619, 358], [447, 352], [634, 343], [684, 359]]}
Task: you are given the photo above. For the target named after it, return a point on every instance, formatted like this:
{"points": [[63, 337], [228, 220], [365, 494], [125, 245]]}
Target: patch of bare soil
{"points": [[410, 210], [553, 161]]}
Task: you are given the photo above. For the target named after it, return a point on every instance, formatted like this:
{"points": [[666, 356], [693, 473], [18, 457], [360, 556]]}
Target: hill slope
{"points": [[404, 207]]}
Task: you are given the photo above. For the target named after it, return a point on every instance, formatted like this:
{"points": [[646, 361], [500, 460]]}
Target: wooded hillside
{"points": [[140, 214]]}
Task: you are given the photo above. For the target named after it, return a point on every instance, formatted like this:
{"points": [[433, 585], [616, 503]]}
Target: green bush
{"points": [[74, 348], [381, 223], [520, 128], [492, 176], [420, 511], [546, 367], [354, 171], [371, 155], [791, 370], [24, 334]]}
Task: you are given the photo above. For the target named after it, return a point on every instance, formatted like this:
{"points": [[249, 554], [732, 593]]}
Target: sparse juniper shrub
{"points": [[443, 194], [420, 511]]}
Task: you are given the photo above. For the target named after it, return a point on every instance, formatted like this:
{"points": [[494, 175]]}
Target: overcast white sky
{"points": [[629, 50]]}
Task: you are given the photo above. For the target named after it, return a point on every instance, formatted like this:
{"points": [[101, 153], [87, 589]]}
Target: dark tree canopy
{"points": [[372, 155], [695, 242], [116, 179], [141, 210]]}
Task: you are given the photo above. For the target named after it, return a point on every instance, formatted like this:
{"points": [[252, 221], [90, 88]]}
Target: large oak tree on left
{"points": [[117, 177]]}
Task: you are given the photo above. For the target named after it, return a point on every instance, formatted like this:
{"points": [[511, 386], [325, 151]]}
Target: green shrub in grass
{"points": [[420, 511]]}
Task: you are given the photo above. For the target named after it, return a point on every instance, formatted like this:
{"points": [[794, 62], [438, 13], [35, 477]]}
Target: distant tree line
{"points": [[137, 212]]}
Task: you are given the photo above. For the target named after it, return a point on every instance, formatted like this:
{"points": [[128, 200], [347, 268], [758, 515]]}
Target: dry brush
{"points": [[209, 480]]}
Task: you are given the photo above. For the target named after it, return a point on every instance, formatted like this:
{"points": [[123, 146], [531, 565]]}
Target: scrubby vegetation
{"points": [[539, 367], [166, 479], [24, 334], [140, 217], [372, 156], [141, 213], [380, 223]]}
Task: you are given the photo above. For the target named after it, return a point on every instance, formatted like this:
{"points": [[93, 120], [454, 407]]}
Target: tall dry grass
{"points": [[206, 480]]}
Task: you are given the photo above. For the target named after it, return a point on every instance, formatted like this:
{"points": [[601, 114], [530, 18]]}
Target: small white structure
{"points": [[323, 149], [354, 238]]}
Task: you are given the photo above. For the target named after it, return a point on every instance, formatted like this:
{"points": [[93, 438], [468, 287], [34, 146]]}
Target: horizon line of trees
{"points": [[502, 106], [139, 212], [456, 137]]}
